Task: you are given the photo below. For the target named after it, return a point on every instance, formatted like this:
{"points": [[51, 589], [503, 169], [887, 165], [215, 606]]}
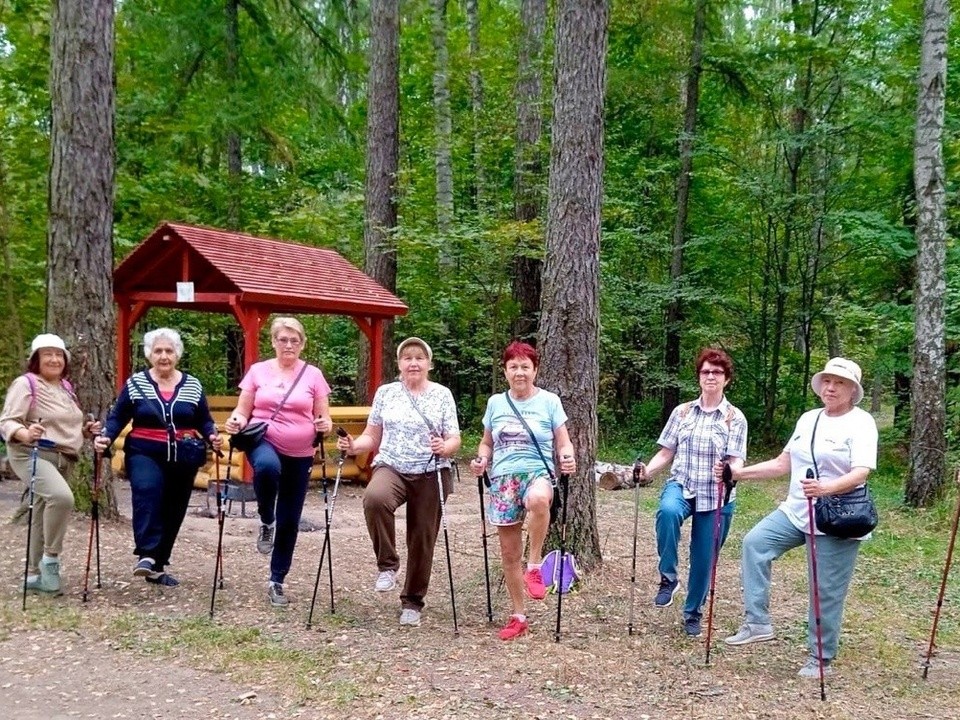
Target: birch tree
{"points": [[928, 443]]}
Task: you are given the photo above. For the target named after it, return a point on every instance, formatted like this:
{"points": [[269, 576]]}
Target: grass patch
{"points": [[244, 653]]}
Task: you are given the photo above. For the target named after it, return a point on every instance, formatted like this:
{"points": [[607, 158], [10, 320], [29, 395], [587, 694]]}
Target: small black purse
{"points": [[849, 515], [191, 451], [247, 439]]}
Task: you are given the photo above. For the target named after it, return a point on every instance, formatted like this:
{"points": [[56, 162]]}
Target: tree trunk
{"points": [[476, 108], [928, 440], [569, 326], [80, 225], [234, 153], [528, 164], [443, 130], [674, 315], [383, 158]]}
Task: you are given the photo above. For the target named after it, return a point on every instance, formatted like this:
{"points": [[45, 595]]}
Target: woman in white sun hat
{"points": [[41, 404], [839, 444]]}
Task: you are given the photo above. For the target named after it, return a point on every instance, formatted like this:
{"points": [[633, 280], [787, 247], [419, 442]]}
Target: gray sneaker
{"points": [[410, 617], [751, 633], [386, 581], [50, 575], [811, 668], [275, 593], [265, 539]]}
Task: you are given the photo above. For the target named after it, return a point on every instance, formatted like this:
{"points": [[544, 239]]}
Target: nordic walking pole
{"points": [[637, 467], [812, 552], [446, 542], [217, 454], [34, 453], [222, 489], [329, 505], [943, 584], [94, 526], [564, 488], [727, 478], [481, 481], [326, 529]]}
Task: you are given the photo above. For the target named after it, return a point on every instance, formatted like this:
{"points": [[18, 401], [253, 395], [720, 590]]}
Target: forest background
{"points": [[798, 244]]}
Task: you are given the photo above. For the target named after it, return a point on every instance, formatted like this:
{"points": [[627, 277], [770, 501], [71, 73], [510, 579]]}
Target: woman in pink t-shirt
{"points": [[283, 459]]}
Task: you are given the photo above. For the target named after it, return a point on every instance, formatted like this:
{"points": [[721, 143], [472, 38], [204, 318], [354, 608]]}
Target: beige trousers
{"points": [[52, 499]]}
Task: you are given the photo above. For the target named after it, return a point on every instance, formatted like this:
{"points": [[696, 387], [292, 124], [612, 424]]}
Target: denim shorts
{"points": [[507, 494]]}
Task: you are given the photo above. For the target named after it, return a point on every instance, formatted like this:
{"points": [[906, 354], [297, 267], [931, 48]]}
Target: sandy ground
{"points": [[127, 652]]}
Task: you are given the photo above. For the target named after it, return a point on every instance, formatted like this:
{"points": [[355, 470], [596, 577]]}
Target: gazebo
{"points": [[210, 270]]}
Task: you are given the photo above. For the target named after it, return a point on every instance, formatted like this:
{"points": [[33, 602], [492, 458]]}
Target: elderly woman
{"points": [[162, 451], [291, 396], [840, 443], [524, 434], [697, 435], [414, 423], [41, 404]]}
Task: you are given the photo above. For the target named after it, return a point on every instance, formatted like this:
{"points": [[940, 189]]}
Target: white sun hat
{"points": [[842, 368], [49, 340]]}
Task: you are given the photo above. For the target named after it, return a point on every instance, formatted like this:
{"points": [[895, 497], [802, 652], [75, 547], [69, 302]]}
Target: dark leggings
{"points": [[160, 493], [280, 482]]}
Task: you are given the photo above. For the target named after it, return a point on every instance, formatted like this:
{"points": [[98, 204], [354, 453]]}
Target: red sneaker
{"points": [[513, 629], [535, 587]]}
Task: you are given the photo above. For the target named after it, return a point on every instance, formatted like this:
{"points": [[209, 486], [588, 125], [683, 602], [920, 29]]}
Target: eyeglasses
{"points": [[293, 342], [707, 373]]}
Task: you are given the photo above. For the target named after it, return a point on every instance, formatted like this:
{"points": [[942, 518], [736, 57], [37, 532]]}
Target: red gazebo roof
{"points": [[279, 275], [250, 278]]}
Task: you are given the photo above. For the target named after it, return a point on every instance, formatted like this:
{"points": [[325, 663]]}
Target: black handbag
{"points": [[252, 434], [848, 515], [191, 451], [247, 439]]}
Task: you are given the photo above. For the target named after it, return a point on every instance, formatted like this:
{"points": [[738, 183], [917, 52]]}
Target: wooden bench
{"points": [[352, 418]]}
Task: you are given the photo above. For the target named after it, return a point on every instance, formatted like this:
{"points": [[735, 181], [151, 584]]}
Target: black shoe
{"points": [[668, 588], [164, 579], [691, 626]]}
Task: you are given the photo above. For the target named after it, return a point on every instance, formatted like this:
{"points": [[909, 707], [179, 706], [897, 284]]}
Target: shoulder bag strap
{"points": [[529, 432], [813, 457], [299, 375], [413, 401]]}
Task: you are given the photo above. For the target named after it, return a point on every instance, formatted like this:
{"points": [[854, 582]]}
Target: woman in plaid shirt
{"points": [[698, 434]]}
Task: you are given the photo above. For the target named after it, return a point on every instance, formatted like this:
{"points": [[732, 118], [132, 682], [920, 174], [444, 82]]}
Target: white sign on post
{"points": [[185, 292]]}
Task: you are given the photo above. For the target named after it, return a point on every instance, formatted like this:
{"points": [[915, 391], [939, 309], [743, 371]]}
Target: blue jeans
{"points": [[836, 558], [280, 482], [674, 509], [160, 493]]}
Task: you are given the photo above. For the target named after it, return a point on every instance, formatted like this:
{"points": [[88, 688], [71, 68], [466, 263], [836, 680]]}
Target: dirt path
{"points": [[138, 651]]}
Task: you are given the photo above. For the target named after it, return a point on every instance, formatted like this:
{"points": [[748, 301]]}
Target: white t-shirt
{"points": [[842, 443]]}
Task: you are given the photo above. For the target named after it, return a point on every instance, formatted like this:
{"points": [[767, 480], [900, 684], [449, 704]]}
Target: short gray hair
{"points": [[166, 333], [287, 323]]}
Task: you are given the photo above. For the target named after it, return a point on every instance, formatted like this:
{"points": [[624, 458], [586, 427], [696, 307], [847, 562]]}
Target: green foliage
{"points": [[830, 246]]}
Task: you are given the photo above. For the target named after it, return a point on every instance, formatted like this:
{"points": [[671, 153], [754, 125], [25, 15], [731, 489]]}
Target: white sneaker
{"points": [[410, 617], [386, 581]]}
